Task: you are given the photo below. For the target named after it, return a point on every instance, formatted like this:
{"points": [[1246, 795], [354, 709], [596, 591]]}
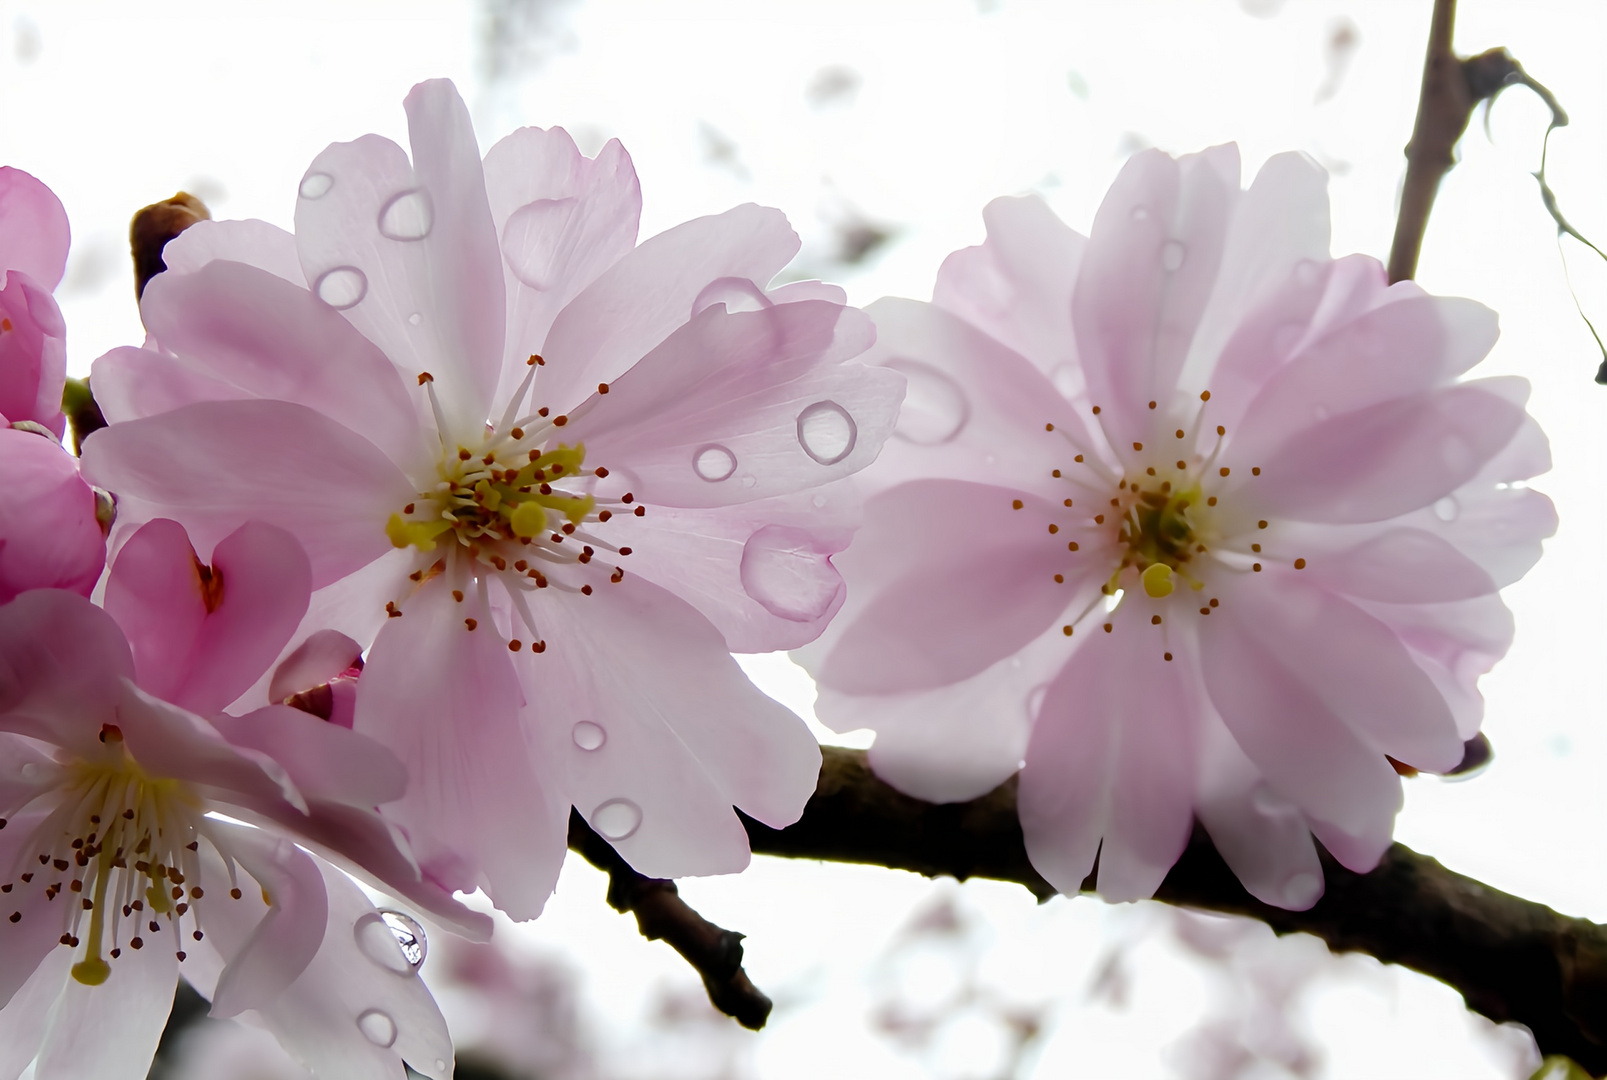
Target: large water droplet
{"points": [[1447, 508], [589, 736], [617, 819], [342, 287], [376, 941], [713, 463], [826, 432], [408, 215], [409, 936], [316, 185], [737, 294], [377, 1027], [414, 319], [1172, 255], [935, 408], [789, 573], [537, 238], [1302, 890]]}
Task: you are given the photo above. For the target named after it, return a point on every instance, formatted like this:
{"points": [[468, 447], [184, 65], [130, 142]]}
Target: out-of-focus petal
{"points": [[33, 352], [250, 241], [34, 235], [49, 537]]}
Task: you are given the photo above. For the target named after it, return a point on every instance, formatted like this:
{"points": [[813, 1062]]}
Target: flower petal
{"points": [[34, 225], [23, 1022], [33, 352], [133, 383], [25, 942], [324, 760], [62, 668], [250, 241], [49, 537], [322, 656], [111, 1031]]}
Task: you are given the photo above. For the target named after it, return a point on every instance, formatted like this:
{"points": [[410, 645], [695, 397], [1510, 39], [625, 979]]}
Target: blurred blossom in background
{"points": [[882, 130]]}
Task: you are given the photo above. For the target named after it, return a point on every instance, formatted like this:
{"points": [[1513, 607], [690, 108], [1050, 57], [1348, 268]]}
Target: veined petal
{"points": [[33, 352], [33, 225], [23, 1022], [111, 1031], [133, 383], [324, 760], [255, 243], [62, 667], [34, 926]]}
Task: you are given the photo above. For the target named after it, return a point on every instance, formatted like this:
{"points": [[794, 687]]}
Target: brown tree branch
{"points": [[1511, 959]]}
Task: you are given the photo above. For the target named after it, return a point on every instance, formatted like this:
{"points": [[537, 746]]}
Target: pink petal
{"points": [[318, 659], [633, 306], [1398, 565], [215, 465], [62, 666], [563, 219], [656, 733], [49, 538], [26, 943], [111, 1031], [738, 407], [1454, 643], [33, 352], [270, 339], [24, 1023], [1359, 852], [34, 227], [134, 383], [445, 700], [324, 760], [1017, 287], [960, 598], [1110, 765], [255, 243]]}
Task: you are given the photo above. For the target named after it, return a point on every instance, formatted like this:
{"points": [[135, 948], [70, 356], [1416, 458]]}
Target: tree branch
{"points": [[1511, 959]]}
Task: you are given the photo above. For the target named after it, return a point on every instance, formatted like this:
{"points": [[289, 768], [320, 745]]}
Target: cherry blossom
{"points": [[118, 873], [1183, 519], [50, 535], [33, 255], [552, 476]]}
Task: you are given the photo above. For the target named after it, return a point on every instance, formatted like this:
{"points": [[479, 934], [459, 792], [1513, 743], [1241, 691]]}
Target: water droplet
{"points": [[935, 408], [408, 215], [1035, 700], [826, 432], [316, 185], [1172, 255], [1302, 890], [377, 1027], [342, 287], [617, 819], [380, 943], [789, 572], [30, 771], [414, 319], [1447, 508], [713, 463], [737, 294], [409, 936], [1140, 212], [818, 501], [589, 736], [537, 239], [440, 1063]]}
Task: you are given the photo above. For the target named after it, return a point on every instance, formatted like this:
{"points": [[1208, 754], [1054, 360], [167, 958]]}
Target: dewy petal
{"points": [[324, 760], [111, 1031], [444, 698], [1017, 286], [562, 219], [685, 735], [33, 352], [280, 463], [766, 393], [49, 537], [271, 339], [62, 666], [634, 305], [255, 243], [34, 235], [1110, 766]]}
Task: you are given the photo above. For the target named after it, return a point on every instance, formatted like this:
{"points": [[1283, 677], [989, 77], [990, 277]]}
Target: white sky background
{"points": [[942, 105]]}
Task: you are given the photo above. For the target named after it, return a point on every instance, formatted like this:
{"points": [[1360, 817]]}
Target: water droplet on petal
{"points": [[376, 941], [1140, 212], [1035, 700], [617, 819], [440, 1063], [408, 215], [537, 238], [589, 736], [826, 432], [1302, 890], [1172, 255], [737, 294], [316, 185], [30, 771], [409, 936], [935, 408], [818, 501], [713, 463], [377, 1027], [342, 287], [789, 572], [1447, 508], [415, 318]]}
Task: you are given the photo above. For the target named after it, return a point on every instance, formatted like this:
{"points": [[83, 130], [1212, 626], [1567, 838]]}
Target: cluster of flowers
{"points": [[443, 515]]}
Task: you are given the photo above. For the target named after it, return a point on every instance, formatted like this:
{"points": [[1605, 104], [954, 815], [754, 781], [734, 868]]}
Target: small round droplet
{"points": [[818, 501], [408, 215], [935, 409], [826, 432], [589, 736], [538, 237], [789, 572], [414, 319], [1447, 508], [1302, 890], [617, 819], [1172, 255], [737, 294], [377, 1027], [1068, 380], [1140, 212], [342, 287], [1035, 700], [713, 463], [316, 185], [30, 771]]}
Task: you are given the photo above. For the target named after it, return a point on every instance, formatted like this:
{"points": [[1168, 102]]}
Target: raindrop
{"points": [[1302, 890], [736, 293], [826, 432], [818, 501], [342, 287], [381, 944], [377, 1027], [789, 573], [589, 736], [415, 318], [935, 408], [407, 216], [1140, 212], [617, 819], [1035, 700], [713, 463], [537, 238], [1172, 255], [30, 771], [1447, 508], [409, 935], [316, 185]]}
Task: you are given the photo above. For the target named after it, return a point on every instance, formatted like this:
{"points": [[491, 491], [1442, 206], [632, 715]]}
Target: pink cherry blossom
{"points": [[118, 875], [50, 537], [574, 472], [33, 255], [1191, 519]]}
